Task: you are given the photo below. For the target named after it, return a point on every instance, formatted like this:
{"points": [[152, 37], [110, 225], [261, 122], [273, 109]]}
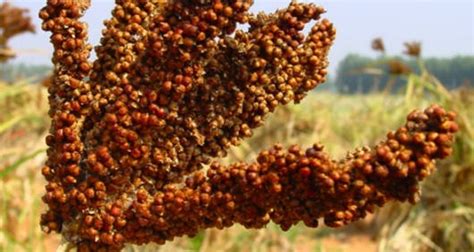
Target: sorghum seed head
{"points": [[172, 89]]}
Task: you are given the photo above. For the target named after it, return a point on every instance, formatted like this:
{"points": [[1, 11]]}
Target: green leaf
{"points": [[4, 126], [9, 169]]}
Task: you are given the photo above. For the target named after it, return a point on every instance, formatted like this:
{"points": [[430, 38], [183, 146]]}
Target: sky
{"points": [[445, 27]]}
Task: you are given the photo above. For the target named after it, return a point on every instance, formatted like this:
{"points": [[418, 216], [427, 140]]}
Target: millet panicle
{"points": [[174, 85]]}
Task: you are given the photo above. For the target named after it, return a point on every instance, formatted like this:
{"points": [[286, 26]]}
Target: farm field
{"points": [[442, 221]]}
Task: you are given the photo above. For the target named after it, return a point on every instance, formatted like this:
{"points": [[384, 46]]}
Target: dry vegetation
{"points": [[443, 221]]}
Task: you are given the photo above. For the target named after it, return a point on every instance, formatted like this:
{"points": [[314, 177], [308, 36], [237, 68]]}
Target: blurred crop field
{"points": [[442, 221]]}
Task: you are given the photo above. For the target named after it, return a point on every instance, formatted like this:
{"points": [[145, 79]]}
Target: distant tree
{"points": [[452, 72], [361, 74], [351, 77]]}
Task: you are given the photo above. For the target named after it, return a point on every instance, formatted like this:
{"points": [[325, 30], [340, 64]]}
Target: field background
{"points": [[442, 221], [359, 105]]}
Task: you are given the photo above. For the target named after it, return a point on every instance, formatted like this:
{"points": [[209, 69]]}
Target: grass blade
{"points": [[9, 169]]}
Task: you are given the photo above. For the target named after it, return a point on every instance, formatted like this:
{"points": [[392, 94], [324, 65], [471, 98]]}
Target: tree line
{"points": [[361, 74], [34, 73]]}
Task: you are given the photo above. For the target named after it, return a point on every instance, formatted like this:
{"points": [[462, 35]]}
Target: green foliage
{"points": [[196, 242]]}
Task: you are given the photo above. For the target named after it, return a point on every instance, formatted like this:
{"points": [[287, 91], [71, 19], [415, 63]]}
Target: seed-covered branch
{"points": [[174, 86], [13, 21]]}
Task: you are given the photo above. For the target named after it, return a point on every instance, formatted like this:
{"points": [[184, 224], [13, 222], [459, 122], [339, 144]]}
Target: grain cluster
{"points": [[13, 22], [135, 134]]}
